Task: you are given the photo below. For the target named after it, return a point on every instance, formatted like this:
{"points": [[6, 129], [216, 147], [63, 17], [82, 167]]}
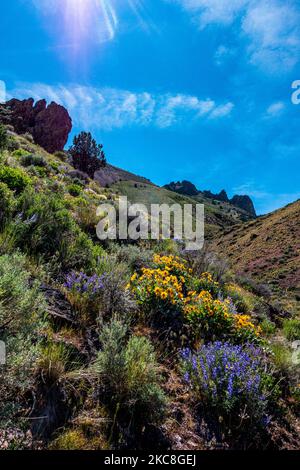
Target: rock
{"points": [[245, 203], [183, 187], [49, 125], [222, 196]]}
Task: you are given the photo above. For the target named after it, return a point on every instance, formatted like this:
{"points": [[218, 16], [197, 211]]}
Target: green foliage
{"points": [[235, 382], [134, 256], [63, 156], [281, 357], [22, 309], [291, 329], [129, 375], [7, 203], [21, 304], [54, 362], [75, 190], [3, 138], [19, 153], [47, 229], [268, 328], [87, 155], [33, 160], [15, 178]]}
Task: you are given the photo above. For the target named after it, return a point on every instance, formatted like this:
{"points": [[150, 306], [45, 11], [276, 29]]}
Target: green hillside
{"points": [[140, 345]]}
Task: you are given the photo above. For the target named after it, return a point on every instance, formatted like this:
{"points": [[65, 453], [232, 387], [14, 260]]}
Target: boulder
{"points": [[49, 125]]}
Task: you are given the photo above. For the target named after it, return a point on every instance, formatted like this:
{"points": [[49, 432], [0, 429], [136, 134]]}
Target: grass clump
{"points": [[291, 329]]}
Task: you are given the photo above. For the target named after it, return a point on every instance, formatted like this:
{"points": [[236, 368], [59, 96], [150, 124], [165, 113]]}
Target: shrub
{"points": [[239, 297], [84, 292], [291, 329], [98, 296], [75, 190], [19, 153], [47, 229], [129, 377], [268, 328], [163, 288], [15, 178], [63, 156], [281, 357], [207, 283], [234, 381], [214, 319], [164, 293], [134, 256], [33, 160], [54, 362], [6, 204], [3, 138], [22, 308], [86, 214], [21, 304]]}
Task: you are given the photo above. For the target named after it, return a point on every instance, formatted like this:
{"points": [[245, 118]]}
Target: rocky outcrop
{"points": [[183, 187], [245, 203], [49, 125], [222, 196]]}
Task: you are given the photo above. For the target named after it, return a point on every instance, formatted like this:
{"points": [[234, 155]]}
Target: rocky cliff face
{"points": [[222, 196], [189, 189], [49, 125], [183, 187], [245, 203]]}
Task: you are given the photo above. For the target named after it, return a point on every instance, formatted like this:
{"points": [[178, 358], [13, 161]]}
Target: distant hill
{"points": [[243, 202], [110, 174], [218, 215]]}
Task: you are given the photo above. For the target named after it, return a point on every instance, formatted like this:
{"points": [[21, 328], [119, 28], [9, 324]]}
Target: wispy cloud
{"points": [[271, 27], [275, 109], [266, 201], [109, 108]]}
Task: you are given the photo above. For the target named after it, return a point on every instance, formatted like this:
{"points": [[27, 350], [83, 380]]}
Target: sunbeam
{"points": [[81, 23]]}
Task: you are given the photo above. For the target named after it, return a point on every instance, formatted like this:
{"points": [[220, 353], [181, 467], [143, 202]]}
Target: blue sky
{"points": [[174, 89]]}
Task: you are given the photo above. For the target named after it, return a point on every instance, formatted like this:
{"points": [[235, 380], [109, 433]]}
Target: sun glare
{"points": [[93, 20]]}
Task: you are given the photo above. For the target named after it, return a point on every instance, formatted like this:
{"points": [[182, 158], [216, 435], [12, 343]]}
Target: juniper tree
{"points": [[87, 155]]}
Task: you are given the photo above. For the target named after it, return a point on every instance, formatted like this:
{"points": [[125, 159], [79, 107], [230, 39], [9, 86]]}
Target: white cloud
{"points": [[221, 111], [275, 109], [2, 91], [272, 27], [222, 53], [109, 108]]}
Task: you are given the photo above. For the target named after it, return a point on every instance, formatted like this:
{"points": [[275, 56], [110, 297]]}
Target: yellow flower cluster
{"points": [[203, 303], [171, 263], [244, 322], [165, 282], [162, 283], [168, 283]]}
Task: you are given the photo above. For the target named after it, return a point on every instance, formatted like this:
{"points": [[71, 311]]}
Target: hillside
{"points": [[267, 248], [217, 214], [136, 346]]}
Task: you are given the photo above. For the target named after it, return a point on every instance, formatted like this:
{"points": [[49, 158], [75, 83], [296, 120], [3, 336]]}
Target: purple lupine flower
{"points": [[227, 374], [82, 283]]}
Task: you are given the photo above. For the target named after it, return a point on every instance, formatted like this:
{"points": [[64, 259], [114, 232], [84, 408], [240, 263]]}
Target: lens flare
{"points": [[88, 20], [82, 23]]}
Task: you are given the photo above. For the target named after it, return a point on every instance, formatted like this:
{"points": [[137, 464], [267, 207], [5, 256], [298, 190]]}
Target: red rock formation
{"points": [[49, 125]]}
